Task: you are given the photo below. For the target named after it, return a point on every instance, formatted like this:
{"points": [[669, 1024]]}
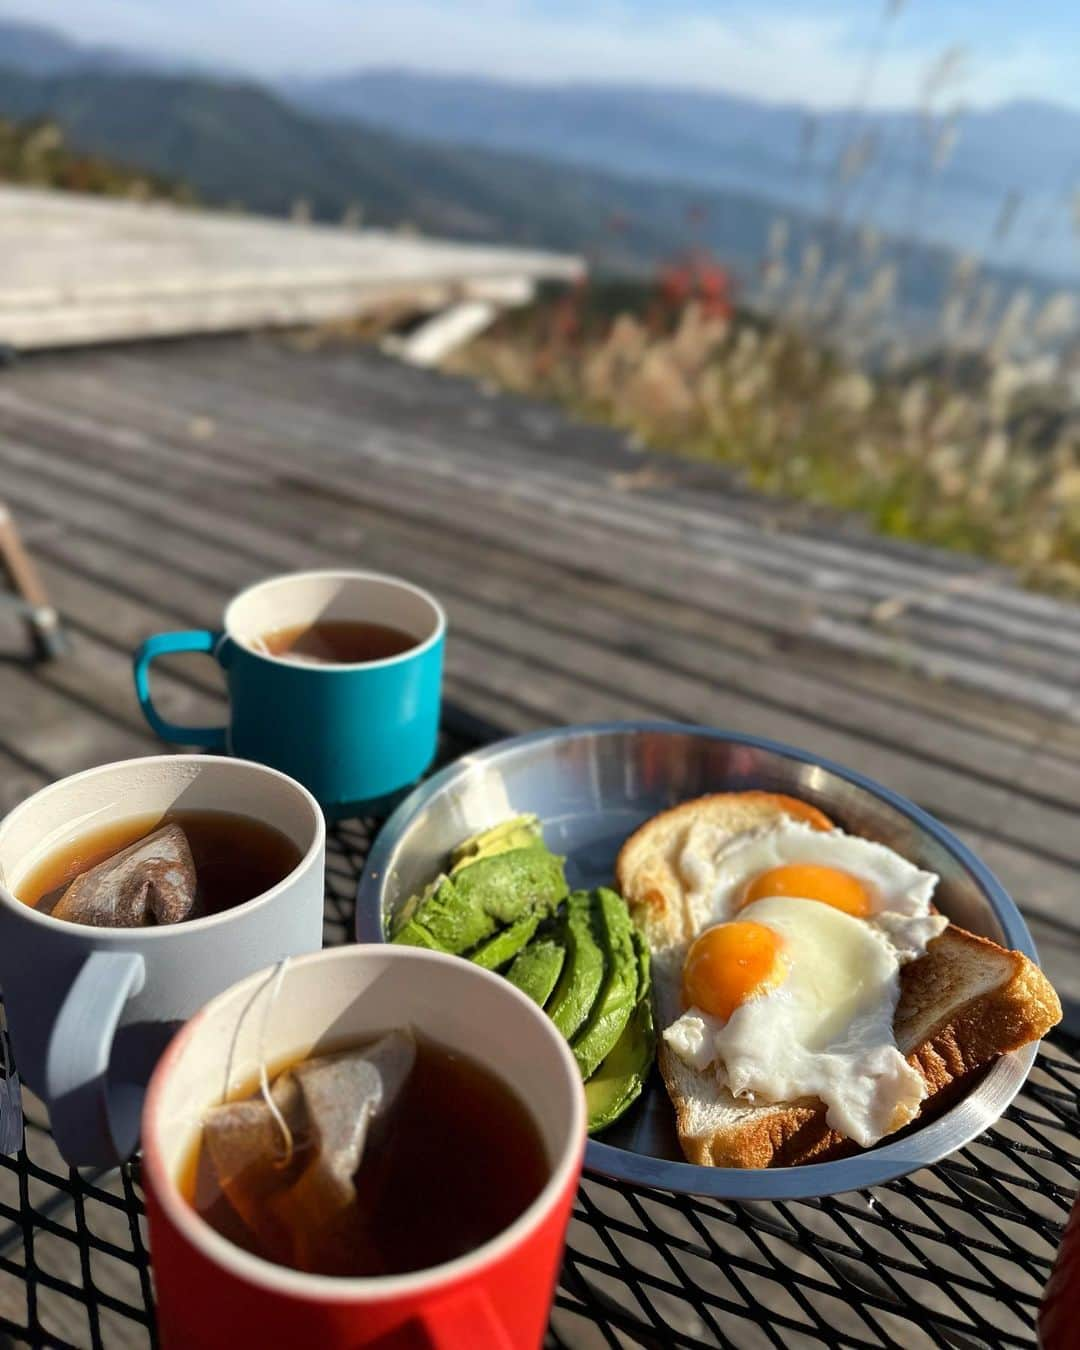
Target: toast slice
{"points": [[962, 1004], [647, 871]]}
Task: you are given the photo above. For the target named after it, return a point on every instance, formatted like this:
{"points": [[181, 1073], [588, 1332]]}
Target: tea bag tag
{"points": [[11, 1112]]}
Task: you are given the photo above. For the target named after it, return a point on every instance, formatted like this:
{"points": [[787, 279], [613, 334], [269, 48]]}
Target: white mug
{"points": [[90, 1009]]}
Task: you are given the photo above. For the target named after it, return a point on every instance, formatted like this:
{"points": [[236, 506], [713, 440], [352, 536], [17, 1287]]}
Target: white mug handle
{"points": [[93, 1125]]}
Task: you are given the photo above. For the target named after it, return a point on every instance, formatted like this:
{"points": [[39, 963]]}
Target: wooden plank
{"points": [[270, 372], [19, 778], [987, 805], [307, 403], [498, 579], [933, 620], [53, 733], [729, 587], [989, 717], [79, 270], [435, 539]]}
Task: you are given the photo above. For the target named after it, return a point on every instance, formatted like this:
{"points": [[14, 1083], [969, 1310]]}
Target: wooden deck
{"points": [[583, 580], [77, 270]]}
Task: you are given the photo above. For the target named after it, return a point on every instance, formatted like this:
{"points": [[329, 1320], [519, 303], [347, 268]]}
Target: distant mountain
{"points": [[236, 142], [1004, 192], [39, 50], [775, 151]]}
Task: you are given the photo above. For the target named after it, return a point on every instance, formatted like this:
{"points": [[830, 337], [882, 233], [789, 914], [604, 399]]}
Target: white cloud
{"points": [[806, 57]]}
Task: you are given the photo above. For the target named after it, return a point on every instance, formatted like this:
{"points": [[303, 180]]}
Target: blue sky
{"points": [[811, 51]]}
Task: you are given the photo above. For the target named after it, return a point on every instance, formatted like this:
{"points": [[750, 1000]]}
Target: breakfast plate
{"points": [[591, 786]]}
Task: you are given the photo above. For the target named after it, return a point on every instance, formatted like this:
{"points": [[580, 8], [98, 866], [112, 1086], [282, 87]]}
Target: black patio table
{"points": [[954, 1255]]}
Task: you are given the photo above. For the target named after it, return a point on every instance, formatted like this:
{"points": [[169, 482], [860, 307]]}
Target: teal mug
{"points": [[353, 734]]}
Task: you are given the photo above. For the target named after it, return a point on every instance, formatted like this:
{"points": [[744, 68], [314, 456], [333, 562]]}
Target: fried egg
{"points": [[793, 975], [855, 875]]}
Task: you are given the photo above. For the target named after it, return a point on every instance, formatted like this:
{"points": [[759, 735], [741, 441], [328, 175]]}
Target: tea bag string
{"points": [[264, 1078]]}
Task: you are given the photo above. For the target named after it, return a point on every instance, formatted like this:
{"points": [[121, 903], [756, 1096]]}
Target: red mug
{"points": [[1059, 1316], [213, 1294]]}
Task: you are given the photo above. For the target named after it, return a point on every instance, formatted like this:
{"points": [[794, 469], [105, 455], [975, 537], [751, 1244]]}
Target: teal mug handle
{"points": [[162, 644]]}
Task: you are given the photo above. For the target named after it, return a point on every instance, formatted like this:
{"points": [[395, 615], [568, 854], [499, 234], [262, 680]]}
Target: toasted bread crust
{"points": [[1015, 1012], [645, 870], [1015, 1003], [1021, 1009]]}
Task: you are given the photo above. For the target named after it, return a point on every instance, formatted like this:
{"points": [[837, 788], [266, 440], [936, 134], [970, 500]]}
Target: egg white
{"points": [[826, 1030], [716, 872]]}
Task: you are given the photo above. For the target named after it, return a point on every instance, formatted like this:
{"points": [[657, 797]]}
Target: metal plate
{"points": [[591, 786]]}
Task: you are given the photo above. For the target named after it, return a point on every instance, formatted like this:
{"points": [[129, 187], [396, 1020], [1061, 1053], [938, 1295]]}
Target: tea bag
{"points": [[344, 1097], [150, 881], [240, 1136], [333, 1103]]}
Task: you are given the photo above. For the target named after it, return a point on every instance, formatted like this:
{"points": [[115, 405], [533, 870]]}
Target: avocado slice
{"points": [[506, 943], [536, 968], [520, 832], [618, 993], [440, 921], [583, 970], [619, 1079], [490, 893], [409, 908]]}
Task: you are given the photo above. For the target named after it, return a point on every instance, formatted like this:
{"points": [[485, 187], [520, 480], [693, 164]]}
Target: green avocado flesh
{"points": [[487, 894], [615, 1002], [583, 971], [501, 907], [536, 968], [409, 908], [521, 832], [507, 943], [619, 1079]]}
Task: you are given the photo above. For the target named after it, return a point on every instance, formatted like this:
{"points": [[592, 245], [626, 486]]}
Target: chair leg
{"points": [[22, 577]]}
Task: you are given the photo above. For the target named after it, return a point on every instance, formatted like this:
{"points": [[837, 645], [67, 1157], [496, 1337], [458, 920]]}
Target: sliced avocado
{"points": [[520, 832], [536, 968], [583, 970], [443, 922], [409, 908], [619, 1079], [509, 884], [483, 897], [617, 996], [506, 944]]}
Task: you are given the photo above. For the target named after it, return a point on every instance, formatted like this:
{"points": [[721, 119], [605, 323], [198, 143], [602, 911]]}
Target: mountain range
{"points": [[626, 175], [1023, 153], [37, 49]]}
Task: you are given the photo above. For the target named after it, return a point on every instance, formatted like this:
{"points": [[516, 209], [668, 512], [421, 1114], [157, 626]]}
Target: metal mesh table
{"points": [[955, 1255]]}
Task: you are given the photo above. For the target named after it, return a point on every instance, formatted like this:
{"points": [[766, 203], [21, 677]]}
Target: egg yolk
{"points": [[812, 881], [728, 964]]}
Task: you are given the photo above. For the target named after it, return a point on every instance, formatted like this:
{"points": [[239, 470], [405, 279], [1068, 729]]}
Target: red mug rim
{"points": [[359, 1289]]}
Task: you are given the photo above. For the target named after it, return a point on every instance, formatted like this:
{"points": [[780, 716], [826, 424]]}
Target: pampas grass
{"points": [[988, 463]]}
